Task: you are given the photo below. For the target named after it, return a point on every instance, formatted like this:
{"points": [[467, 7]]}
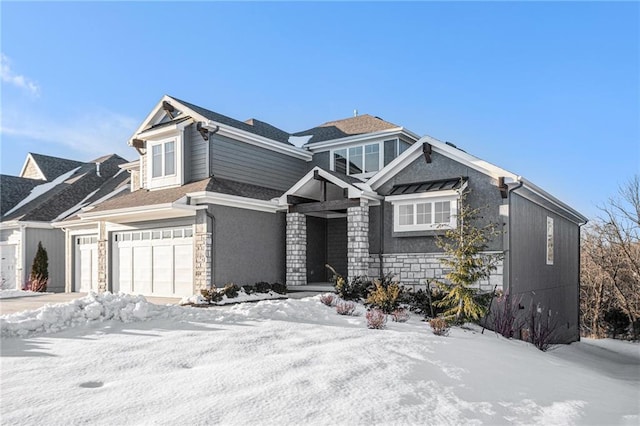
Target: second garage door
{"points": [[156, 262]]}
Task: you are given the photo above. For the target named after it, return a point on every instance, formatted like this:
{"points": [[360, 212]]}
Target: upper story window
{"points": [[163, 159], [366, 158]]}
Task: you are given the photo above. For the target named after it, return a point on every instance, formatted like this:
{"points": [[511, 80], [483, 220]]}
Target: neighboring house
{"points": [[48, 189], [217, 200]]}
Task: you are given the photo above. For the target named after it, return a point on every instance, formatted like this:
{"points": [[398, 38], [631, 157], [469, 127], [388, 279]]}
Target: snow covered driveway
{"points": [[124, 361]]}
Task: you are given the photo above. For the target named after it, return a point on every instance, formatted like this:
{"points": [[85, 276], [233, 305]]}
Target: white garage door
{"points": [[156, 262], [7, 266], [86, 264]]}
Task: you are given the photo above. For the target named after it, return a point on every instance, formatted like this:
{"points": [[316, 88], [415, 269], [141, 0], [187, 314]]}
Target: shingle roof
{"points": [[62, 197], [143, 197], [428, 186], [252, 125], [52, 167], [13, 189], [347, 127]]}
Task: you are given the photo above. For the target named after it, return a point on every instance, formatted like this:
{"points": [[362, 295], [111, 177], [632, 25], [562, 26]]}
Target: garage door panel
{"points": [[163, 261], [142, 274], [124, 277], [184, 269], [8, 267]]}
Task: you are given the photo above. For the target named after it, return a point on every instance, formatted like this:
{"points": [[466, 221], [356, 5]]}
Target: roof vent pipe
{"points": [[355, 112], [98, 170]]}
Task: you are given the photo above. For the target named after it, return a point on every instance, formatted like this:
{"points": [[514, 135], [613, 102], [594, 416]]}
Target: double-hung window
{"points": [[163, 159]]}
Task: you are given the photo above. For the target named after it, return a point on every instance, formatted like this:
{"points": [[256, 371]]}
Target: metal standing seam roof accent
{"points": [[428, 186]]}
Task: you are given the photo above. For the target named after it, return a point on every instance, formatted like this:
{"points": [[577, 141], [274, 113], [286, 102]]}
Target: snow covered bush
{"points": [[328, 299], [345, 308], [439, 326], [212, 295], [231, 290], [400, 315], [376, 319]]}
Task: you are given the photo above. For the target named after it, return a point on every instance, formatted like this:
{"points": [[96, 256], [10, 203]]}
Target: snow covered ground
{"points": [[11, 294], [118, 359]]}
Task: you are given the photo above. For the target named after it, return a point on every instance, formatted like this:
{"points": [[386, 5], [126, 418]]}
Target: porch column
{"points": [[358, 240], [296, 249], [103, 254], [202, 246]]}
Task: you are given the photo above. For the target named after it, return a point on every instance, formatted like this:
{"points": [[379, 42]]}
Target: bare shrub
{"points": [[345, 308], [328, 299], [541, 328], [440, 326], [37, 284], [505, 316], [376, 319], [400, 315]]}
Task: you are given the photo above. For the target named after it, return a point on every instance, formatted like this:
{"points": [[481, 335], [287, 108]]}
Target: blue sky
{"points": [[550, 91]]}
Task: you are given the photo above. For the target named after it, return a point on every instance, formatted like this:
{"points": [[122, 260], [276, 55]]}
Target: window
{"points": [[422, 215], [549, 240], [357, 159], [163, 159]]}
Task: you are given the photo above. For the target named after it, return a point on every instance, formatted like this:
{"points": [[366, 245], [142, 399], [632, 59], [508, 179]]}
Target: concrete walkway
{"points": [[19, 304]]}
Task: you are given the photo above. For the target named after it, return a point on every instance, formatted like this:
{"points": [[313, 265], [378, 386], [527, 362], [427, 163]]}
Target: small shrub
{"points": [[262, 287], [249, 289], [504, 317], [425, 302], [400, 315], [376, 319], [385, 298], [439, 326], [279, 288], [231, 290], [328, 299], [39, 276], [354, 289], [212, 295], [541, 328], [37, 285], [345, 308]]}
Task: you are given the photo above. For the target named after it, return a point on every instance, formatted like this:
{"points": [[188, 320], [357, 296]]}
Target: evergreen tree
{"points": [[468, 265], [40, 269]]}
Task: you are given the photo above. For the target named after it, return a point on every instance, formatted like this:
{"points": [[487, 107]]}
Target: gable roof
{"points": [[49, 167], [352, 126], [252, 125], [13, 189], [49, 200]]}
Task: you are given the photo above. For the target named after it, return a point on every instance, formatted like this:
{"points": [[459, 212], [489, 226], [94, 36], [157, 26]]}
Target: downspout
{"points": [[23, 257], [509, 237], [579, 275], [381, 249]]}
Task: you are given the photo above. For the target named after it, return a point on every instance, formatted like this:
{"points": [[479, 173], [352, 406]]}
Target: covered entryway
{"points": [[7, 266], [154, 262], [86, 264], [327, 222]]}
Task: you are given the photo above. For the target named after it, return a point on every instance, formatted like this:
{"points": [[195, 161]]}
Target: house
{"points": [[217, 200], [48, 189]]}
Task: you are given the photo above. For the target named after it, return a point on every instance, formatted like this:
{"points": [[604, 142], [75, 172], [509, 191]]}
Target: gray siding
{"points": [[53, 242], [248, 246], [320, 159], [196, 155], [247, 163], [552, 287], [482, 192]]}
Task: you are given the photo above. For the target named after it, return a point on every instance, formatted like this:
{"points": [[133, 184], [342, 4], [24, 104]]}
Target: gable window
{"points": [[424, 214], [163, 159], [366, 158], [549, 240]]}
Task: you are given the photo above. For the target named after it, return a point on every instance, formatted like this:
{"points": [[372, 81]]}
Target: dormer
{"points": [[359, 146], [160, 141]]}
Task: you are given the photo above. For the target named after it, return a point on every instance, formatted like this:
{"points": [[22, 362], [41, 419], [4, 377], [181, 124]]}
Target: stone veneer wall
{"points": [[296, 249], [103, 250], [413, 269], [358, 240], [202, 237]]}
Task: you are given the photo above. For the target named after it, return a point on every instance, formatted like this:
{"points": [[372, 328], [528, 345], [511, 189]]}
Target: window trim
{"points": [[550, 240], [415, 199], [363, 145]]}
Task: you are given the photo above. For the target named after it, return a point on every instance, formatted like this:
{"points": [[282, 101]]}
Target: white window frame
{"points": [[550, 243], [363, 146], [414, 200], [164, 180]]}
